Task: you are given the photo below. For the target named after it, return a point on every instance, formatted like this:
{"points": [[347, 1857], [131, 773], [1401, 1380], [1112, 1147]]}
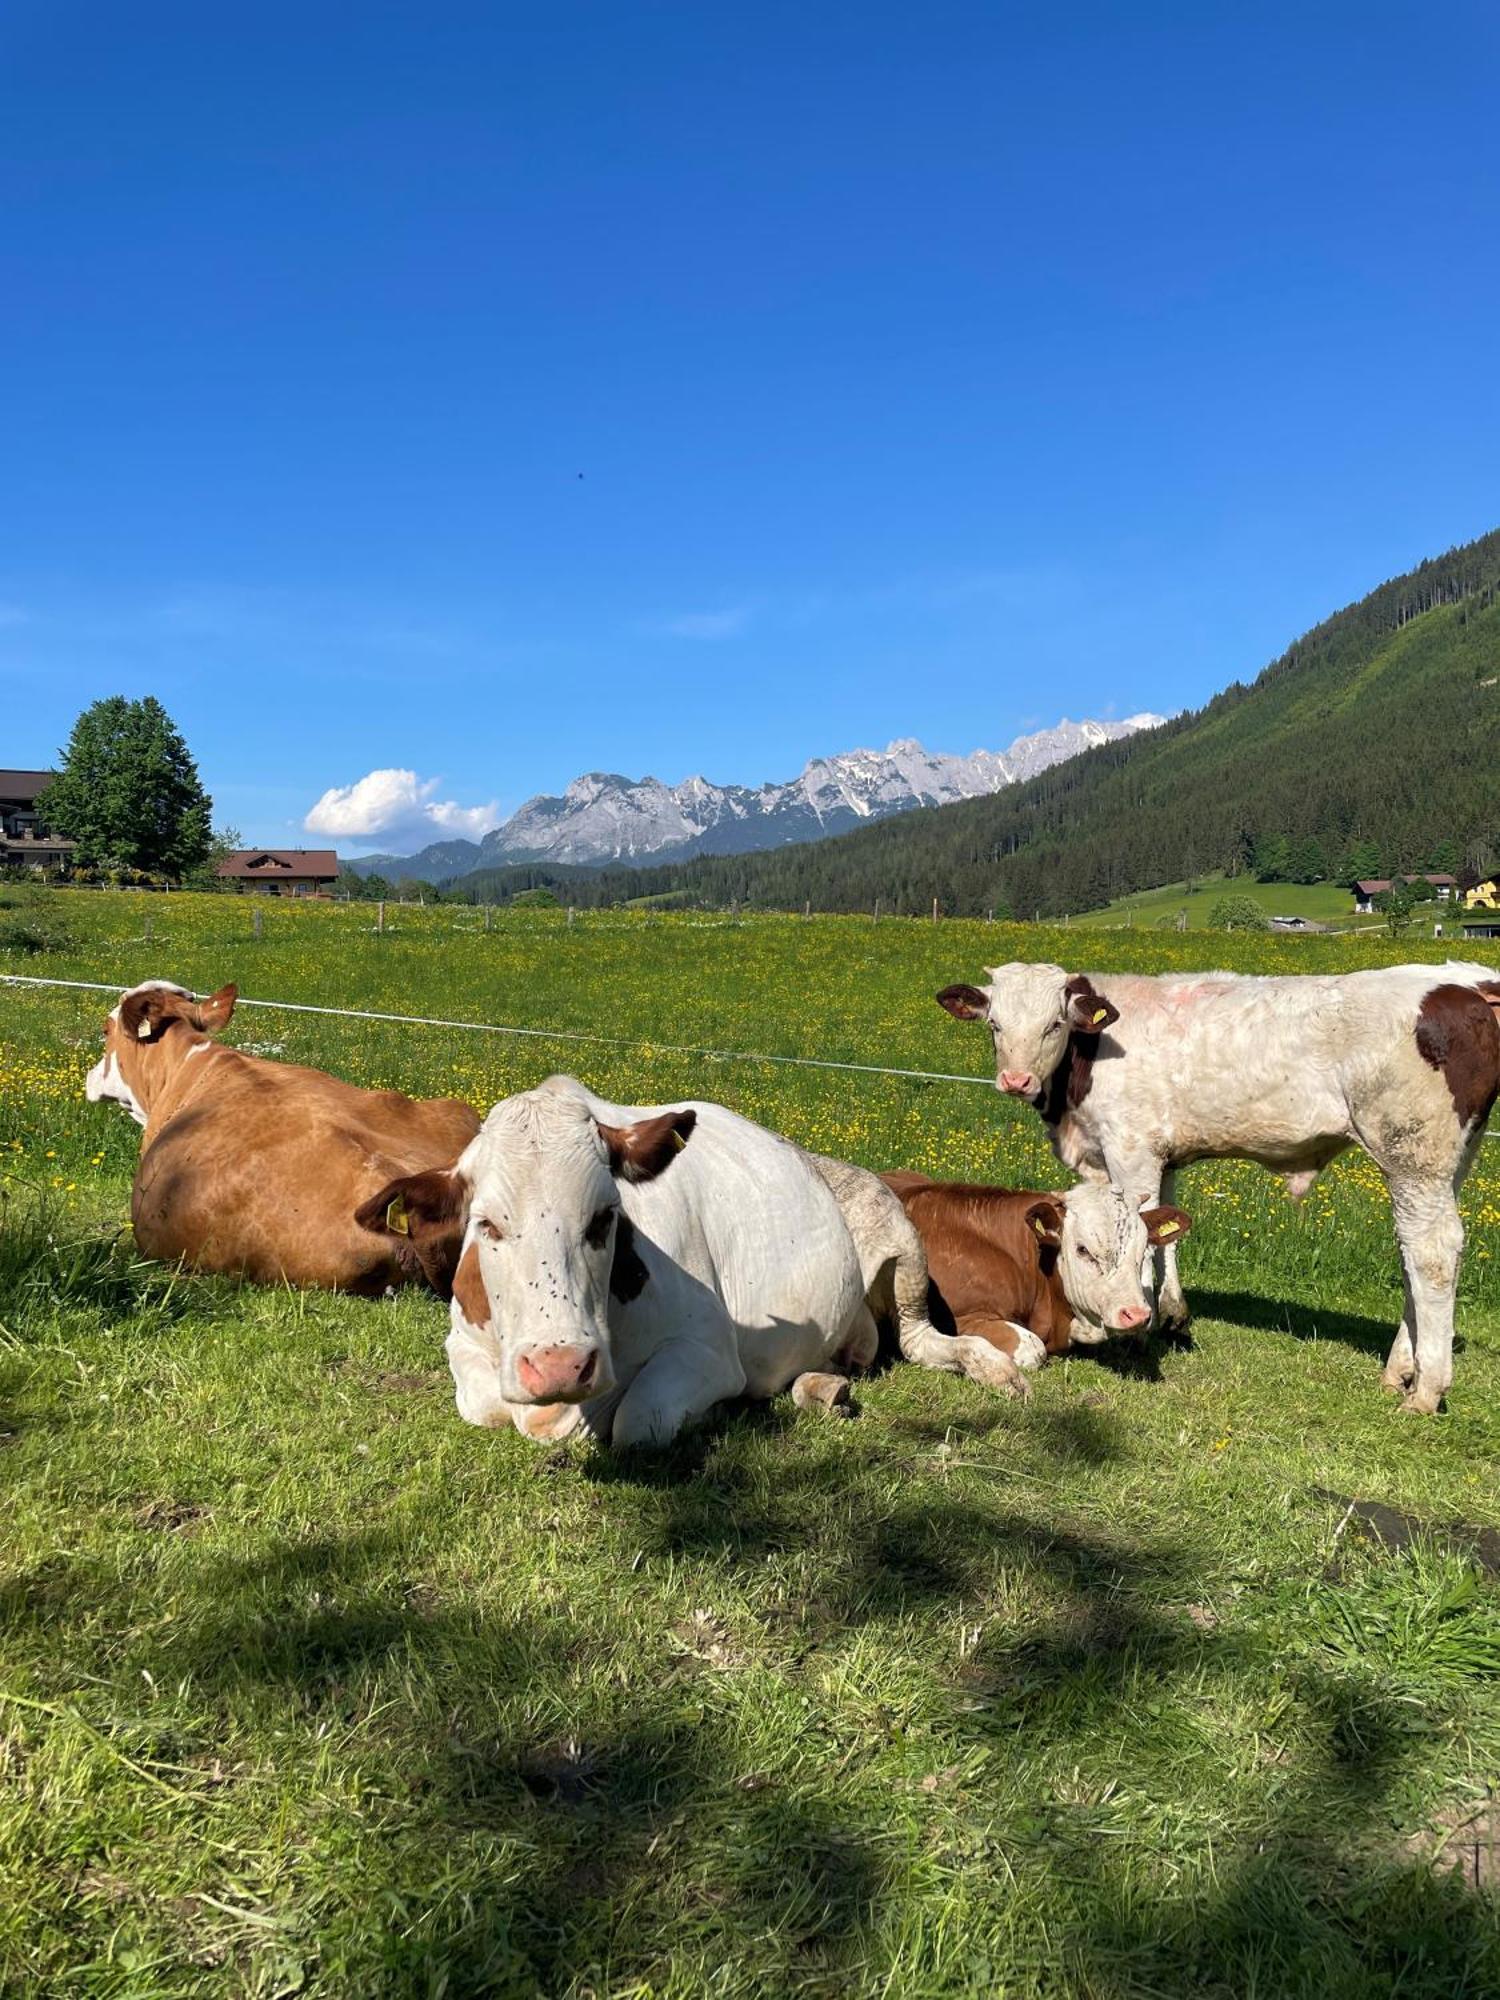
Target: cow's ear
{"points": [[146, 1015], [1165, 1224], [1088, 1012], [213, 1013], [641, 1151], [424, 1214], [1044, 1219], [964, 1003]]}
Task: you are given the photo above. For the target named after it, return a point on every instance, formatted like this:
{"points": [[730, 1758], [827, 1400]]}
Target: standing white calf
{"points": [[1135, 1076]]}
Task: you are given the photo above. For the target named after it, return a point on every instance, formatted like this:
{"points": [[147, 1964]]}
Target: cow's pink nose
{"points": [[1130, 1317], [1019, 1082], [558, 1374]]}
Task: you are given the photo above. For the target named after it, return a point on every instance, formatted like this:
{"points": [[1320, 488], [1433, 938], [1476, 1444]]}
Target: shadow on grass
{"points": [[1303, 1319]]}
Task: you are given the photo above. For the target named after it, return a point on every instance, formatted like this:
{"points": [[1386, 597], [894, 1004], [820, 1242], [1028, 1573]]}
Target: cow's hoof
{"points": [[991, 1367], [1397, 1380], [1422, 1402], [1174, 1321], [823, 1392]]}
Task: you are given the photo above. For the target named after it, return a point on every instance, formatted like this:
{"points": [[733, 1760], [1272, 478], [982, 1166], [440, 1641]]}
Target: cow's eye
{"points": [[490, 1231], [598, 1229], [1086, 1254]]}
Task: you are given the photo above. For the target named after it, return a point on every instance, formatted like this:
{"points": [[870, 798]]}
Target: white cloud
{"points": [[399, 808], [707, 624]]}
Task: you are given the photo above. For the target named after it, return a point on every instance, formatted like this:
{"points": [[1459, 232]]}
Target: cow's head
{"points": [[1031, 1010], [1101, 1244], [140, 1046], [526, 1226]]}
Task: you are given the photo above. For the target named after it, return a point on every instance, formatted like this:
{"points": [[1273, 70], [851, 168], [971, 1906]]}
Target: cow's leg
{"points": [[1007, 1335], [679, 1384], [1401, 1362], [1431, 1236], [1172, 1312]]}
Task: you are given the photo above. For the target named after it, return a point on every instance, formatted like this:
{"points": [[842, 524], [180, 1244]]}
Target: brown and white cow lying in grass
{"points": [[1135, 1076], [1033, 1273], [629, 1268], [255, 1168]]}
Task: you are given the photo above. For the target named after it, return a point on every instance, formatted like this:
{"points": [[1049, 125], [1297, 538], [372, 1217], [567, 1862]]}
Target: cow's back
{"points": [[981, 1256], [744, 1213], [259, 1171]]}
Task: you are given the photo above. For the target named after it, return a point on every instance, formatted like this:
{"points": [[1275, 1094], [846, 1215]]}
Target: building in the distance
{"points": [[1443, 888], [281, 871], [24, 839]]}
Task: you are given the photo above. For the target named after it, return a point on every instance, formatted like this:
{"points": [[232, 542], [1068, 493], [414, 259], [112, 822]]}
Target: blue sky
{"points": [[930, 371]]}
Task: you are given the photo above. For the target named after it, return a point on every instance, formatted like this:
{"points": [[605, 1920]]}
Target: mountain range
{"points": [[1371, 746], [603, 818]]}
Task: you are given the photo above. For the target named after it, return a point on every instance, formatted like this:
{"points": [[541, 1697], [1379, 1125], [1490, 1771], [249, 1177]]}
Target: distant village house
{"points": [[281, 871], [1444, 888], [24, 839], [1480, 892]]}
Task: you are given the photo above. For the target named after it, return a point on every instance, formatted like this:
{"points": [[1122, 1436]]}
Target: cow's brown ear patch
{"points": [[472, 1300], [213, 1013], [627, 1274], [1166, 1224], [146, 1016], [964, 1003], [422, 1214], [1089, 1013], [641, 1151], [1044, 1218]]}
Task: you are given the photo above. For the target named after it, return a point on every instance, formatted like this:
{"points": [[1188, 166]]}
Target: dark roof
{"points": [[1379, 886], [272, 864], [24, 784]]}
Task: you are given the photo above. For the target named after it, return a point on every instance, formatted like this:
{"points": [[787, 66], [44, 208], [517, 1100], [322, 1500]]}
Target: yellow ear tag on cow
{"points": [[1102, 1015], [395, 1217], [1039, 1226], [678, 1141], [1169, 1229]]}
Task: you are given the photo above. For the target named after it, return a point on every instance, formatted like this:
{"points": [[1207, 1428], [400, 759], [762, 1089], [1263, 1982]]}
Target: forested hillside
{"points": [[1373, 741]]}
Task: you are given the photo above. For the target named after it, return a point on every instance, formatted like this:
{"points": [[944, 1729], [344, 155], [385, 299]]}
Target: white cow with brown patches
{"points": [[1135, 1076], [628, 1268]]}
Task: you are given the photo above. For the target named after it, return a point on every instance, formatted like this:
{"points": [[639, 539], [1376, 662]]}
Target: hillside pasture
{"points": [[1320, 902], [1182, 1677]]}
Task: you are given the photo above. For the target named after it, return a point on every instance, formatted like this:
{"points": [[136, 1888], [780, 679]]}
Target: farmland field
{"points": [[308, 1688]]}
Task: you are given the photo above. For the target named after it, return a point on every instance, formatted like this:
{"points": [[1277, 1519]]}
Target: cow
{"points": [[1036, 1273], [626, 1268], [1135, 1076], [254, 1168], [894, 1271]]}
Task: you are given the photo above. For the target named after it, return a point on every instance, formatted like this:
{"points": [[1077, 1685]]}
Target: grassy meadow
{"points": [[1319, 902], [308, 1688]]}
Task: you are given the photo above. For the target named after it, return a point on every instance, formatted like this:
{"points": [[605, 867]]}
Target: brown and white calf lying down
{"points": [[1135, 1076], [1031, 1273], [255, 1168]]}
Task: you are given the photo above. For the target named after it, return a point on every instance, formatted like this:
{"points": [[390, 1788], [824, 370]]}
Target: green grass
{"points": [[1322, 902], [306, 1687]]}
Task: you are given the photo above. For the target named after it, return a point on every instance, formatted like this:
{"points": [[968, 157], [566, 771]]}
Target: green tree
{"points": [[128, 791], [1238, 913], [1272, 857], [1305, 862], [1397, 908], [223, 841]]}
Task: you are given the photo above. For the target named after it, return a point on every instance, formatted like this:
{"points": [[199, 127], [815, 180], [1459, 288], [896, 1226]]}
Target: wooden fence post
{"points": [[934, 909], [380, 915], [255, 920]]}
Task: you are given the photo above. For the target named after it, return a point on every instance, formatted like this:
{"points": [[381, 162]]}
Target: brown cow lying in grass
{"points": [[1031, 1272], [255, 1168]]}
